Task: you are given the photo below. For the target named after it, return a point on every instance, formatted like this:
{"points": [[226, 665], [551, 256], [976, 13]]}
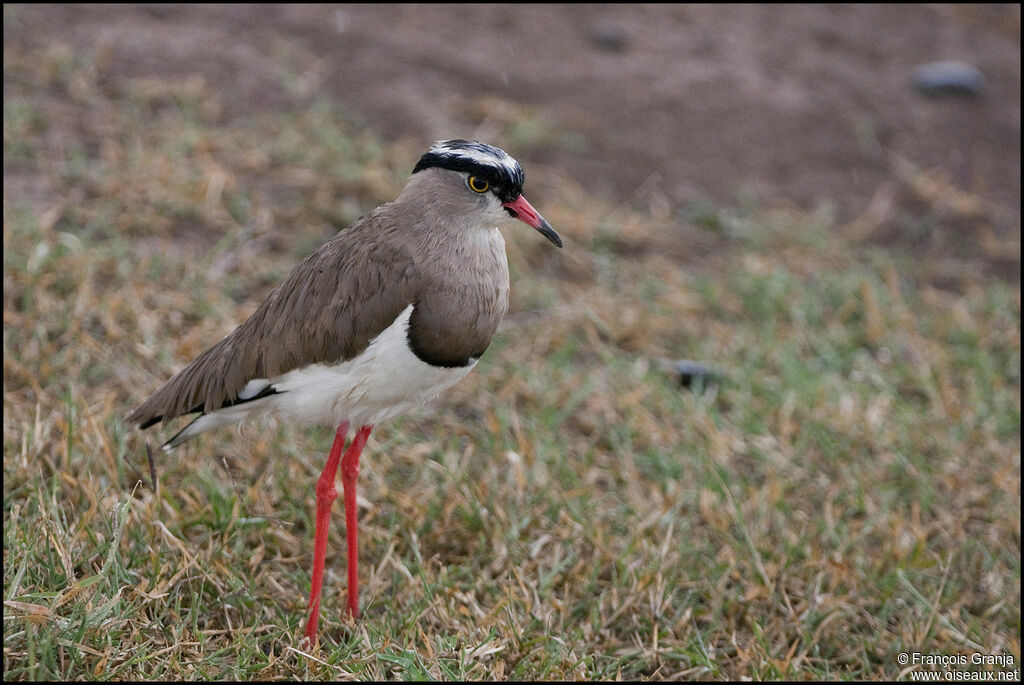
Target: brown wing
{"points": [[327, 310]]}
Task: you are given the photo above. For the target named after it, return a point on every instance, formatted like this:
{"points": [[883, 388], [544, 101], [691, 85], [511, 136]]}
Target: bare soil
{"points": [[663, 105]]}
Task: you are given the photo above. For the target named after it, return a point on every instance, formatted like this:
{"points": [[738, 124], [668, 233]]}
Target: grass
{"points": [[849, 492]]}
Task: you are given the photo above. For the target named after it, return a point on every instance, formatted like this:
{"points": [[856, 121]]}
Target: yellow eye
{"points": [[478, 185]]}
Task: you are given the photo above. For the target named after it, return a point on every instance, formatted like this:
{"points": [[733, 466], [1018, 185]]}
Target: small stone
{"points": [[695, 375], [610, 37], [948, 78]]}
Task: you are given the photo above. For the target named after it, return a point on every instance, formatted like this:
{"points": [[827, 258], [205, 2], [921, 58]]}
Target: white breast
{"points": [[384, 381]]}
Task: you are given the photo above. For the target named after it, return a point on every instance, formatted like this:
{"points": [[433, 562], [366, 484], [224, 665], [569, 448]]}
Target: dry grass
{"points": [[850, 492]]}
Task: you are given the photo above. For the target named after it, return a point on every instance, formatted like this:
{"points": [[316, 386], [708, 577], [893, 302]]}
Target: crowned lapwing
{"points": [[384, 316]]}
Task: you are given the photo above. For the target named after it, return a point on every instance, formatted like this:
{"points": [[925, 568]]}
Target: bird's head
{"points": [[486, 178]]}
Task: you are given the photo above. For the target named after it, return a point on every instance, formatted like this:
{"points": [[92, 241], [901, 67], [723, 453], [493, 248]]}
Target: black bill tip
{"points": [[545, 230]]}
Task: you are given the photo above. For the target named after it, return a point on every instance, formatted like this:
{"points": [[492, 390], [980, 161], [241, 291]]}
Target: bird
{"points": [[382, 317]]}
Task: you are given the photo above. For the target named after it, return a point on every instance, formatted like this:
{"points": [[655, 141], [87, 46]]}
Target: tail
{"points": [[230, 412], [183, 435]]}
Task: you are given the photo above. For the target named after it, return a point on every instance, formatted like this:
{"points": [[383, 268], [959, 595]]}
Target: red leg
{"points": [[349, 473], [325, 495]]}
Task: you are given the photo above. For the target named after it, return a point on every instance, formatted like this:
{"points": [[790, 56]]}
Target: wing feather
{"points": [[327, 310]]}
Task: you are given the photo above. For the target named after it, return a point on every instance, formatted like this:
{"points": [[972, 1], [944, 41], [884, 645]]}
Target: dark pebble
{"points": [[695, 375], [609, 37]]}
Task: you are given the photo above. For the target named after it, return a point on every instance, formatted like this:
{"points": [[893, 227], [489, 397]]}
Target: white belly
{"points": [[384, 381]]}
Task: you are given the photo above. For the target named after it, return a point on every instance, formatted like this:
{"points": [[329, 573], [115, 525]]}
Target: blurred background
{"points": [[759, 419], [666, 106]]}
